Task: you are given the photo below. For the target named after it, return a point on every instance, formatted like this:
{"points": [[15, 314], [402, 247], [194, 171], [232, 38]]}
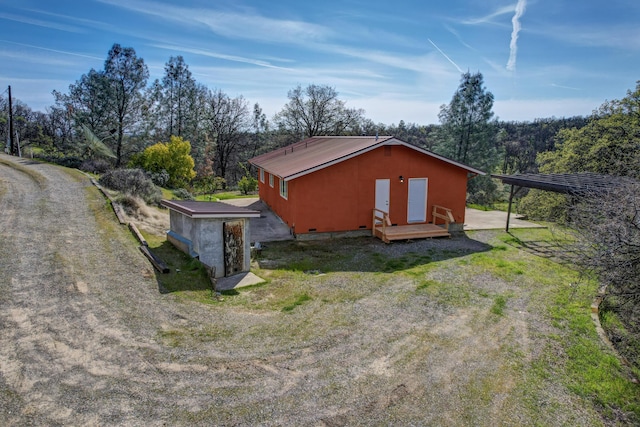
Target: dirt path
{"points": [[78, 308], [87, 339]]}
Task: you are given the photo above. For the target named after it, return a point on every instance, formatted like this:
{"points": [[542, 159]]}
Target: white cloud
{"points": [[459, 37], [619, 37], [40, 23], [204, 52], [488, 19], [235, 25], [565, 87], [513, 46], [81, 55]]}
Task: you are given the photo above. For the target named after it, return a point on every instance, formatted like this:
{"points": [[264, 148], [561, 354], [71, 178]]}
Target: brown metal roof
{"points": [[318, 152], [196, 209]]}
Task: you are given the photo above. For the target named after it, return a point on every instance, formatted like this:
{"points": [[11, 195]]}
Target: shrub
{"points": [[161, 178], [134, 182], [172, 157], [482, 190], [98, 166], [209, 184], [183, 194], [131, 204], [544, 205], [62, 160], [248, 184]]}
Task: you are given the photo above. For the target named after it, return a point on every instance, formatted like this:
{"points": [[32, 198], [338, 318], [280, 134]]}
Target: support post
{"points": [[12, 144], [509, 210]]}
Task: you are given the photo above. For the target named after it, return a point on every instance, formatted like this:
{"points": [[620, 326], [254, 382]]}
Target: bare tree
{"points": [[316, 110], [227, 122], [608, 226], [607, 231]]}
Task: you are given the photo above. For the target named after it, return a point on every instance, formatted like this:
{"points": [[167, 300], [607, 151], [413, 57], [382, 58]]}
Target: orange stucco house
{"points": [[332, 184]]}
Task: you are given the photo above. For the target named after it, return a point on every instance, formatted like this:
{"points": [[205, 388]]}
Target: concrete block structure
{"points": [[216, 233]]}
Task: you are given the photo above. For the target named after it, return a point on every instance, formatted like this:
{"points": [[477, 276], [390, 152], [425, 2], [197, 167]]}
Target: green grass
{"points": [[591, 370], [299, 300], [618, 329], [167, 194], [404, 262], [449, 294], [499, 303], [227, 195], [498, 262], [187, 278], [574, 355], [497, 206], [571, 354], [215, 197], [479, 207]]}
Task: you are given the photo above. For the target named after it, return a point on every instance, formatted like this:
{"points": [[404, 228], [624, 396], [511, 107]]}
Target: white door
{"points": [[382, 195], [417, 204]]}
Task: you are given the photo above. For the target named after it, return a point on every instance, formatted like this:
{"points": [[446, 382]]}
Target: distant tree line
{"points": [[127, 113]]}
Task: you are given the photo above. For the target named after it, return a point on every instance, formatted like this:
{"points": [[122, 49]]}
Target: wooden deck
{"points": [[414, 231], [383, 229]]}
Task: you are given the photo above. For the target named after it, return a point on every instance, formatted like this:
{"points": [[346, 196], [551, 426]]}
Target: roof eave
{"points": [[230, 213]]}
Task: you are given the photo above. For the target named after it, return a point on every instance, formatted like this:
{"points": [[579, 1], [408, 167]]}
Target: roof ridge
{"points": [[318, 138]]}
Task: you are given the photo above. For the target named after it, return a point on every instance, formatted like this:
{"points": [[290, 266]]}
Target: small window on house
{"points": [[270, 180], [284, 188], [262, 175]]}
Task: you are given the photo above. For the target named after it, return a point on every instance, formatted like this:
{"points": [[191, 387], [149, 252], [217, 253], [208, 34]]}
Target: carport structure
{"points": [[577, 184]]}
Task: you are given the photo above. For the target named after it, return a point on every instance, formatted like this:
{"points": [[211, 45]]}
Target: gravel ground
{"points": [[87, 339]]}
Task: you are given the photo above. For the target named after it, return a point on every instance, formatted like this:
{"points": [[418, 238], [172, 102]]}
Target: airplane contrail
{"points": [[445, 55], [513, 46]]}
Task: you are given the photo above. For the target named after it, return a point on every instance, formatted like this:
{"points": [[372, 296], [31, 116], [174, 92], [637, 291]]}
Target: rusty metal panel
{"points": [[233, 247]]}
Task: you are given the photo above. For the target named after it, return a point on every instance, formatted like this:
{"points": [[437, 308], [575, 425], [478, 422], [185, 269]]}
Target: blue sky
{"points": [[397, 60]]}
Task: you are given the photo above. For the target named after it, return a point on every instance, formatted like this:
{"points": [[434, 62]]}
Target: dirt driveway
{"points": [[87, 339]]}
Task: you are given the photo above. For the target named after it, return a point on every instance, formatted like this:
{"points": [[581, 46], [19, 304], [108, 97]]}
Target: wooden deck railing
{"points": [[383, 229], [381, 221], [440, 212]]}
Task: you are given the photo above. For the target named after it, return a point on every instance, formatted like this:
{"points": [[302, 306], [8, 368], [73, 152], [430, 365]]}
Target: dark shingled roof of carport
{"points": [[567, 183]]}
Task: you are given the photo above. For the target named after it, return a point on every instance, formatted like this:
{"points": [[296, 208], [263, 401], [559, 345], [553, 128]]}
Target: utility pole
{"points": [[12, 145]]}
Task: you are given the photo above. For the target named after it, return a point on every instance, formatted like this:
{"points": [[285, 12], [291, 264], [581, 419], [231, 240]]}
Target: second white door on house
{"points": [[417, 200]]}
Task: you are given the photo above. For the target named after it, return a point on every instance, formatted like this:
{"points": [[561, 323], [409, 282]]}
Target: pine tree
{"points": [[469, 136]]}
